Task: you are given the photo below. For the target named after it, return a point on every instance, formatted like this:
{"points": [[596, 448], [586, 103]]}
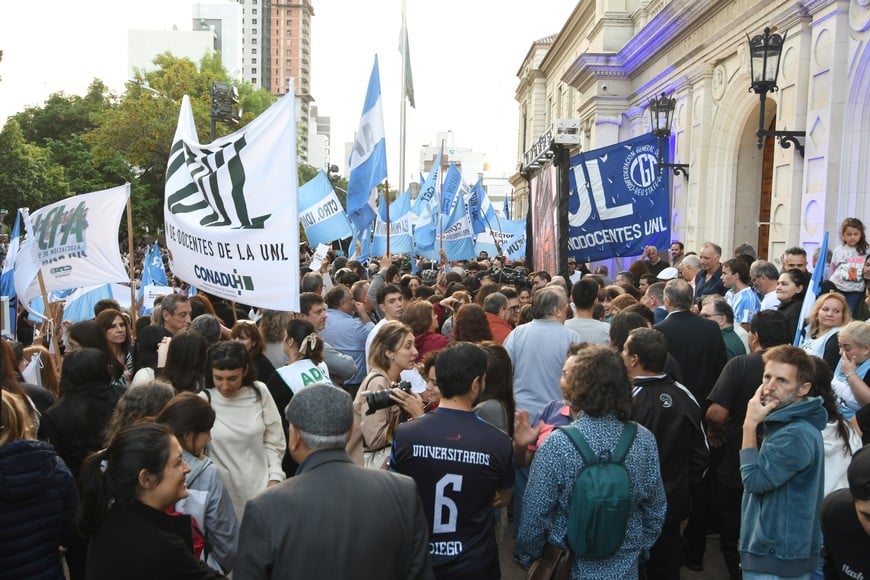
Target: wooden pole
{"points": [[53, 331], [387, 209], [131, 262]]}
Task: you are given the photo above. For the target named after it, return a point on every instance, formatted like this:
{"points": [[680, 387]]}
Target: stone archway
{"points": [[730, 190]]}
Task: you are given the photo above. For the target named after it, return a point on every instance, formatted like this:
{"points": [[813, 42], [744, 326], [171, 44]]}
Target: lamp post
{"points": [[661, 112], [223, 98], [765, 51]]}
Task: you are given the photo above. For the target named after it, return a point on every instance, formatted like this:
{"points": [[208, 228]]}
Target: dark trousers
{"points": [[729, 528], [664, 557], [704, 516]]}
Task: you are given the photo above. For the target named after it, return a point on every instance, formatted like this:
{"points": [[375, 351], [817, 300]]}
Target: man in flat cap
{"points": [[333, 519], [845, 518]]}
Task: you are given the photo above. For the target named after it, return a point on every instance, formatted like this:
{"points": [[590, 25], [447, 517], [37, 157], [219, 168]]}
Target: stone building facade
{"points": [[612, 56]]}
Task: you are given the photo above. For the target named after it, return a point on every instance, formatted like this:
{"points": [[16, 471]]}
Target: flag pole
{"points": [[130, 262], [441, 197], [50, 316], [387, 207], [403, 46]]}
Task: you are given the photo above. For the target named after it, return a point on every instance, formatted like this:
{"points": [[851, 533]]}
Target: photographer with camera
{"points": [[382, 402]]}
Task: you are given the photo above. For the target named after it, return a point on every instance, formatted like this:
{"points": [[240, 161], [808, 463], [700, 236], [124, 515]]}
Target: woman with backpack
{"points": [[559, 512]]}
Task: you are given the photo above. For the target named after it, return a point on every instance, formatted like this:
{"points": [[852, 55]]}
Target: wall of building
{"points": [[615, 55]]}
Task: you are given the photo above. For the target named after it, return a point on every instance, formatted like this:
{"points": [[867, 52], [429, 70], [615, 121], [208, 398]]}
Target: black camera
{"points": [[378, 400]]}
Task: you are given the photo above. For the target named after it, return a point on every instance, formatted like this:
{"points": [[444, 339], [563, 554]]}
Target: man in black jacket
{"points": [[845, 516], [669, 410], [334, 519]]}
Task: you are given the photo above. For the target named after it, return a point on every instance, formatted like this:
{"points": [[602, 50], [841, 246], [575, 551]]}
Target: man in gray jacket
{"points": [[334, 519]]}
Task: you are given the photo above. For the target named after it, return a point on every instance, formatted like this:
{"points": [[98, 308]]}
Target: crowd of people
{"points": [[402, 425]]}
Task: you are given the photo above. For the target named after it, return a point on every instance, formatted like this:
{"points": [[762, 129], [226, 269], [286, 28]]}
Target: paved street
{"points": [[714, 567]]}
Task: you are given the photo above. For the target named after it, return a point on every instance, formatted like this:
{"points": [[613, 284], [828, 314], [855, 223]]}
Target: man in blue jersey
{"points": [[463, 467]]}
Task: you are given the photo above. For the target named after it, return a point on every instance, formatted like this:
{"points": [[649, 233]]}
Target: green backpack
{"points": [[601, 503]]}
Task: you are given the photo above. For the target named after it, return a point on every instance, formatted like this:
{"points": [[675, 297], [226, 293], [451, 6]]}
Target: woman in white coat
{"points": [[248, 441]]}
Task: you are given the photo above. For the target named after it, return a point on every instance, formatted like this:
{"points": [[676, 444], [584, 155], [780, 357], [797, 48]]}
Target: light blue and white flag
{"points": [[153, 274], [452, 185], [515, 248], [505, 210], [401, 241], [457, 238], [813, 290], [505, 232], [480, 210], [368, 159], [80, 304], [364, 239], [7, 278], [321, 213], [153, 270]]}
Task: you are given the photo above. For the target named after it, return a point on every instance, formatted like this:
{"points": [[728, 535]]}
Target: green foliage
{"points": [[28, 176], [77, 144]]}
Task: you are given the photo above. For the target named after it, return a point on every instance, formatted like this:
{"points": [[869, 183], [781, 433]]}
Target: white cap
{"points": [[668, 273]]}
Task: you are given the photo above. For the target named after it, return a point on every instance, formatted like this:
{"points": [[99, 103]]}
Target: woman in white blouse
{"points": [[248, 442]]}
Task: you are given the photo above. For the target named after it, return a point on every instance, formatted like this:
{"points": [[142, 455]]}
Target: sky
{"points": [[464, 55]]}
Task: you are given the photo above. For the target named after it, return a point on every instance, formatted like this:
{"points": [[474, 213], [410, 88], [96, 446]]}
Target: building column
{"points": [[824, 53]]}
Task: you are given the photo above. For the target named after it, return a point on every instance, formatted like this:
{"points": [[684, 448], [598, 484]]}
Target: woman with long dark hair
{"points": [[145, 354], [185, 362], [250, 335], [125, 491], [248, 443], [117, 339], [496, 404], [791, 289]]}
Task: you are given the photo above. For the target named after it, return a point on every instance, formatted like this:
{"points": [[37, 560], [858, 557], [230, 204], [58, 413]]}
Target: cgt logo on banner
{"points": [[618, 202], [230, 206]]}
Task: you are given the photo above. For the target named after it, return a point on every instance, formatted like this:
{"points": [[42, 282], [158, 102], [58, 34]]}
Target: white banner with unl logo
{"points": [[232, 209], [74, 242]]}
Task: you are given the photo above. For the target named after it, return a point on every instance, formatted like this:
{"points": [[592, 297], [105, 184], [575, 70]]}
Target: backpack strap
{"points": [[576, 437], [625, 442]]}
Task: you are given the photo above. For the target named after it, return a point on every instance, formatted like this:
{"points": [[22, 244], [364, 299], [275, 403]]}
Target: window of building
{"points": [[253, 71], [253, 10], [289, 23], [289, 62], [253, 61], [289, 72], [253, 31], [289, 52], [253, 80], [253, 20], [253, 51], [253, 41], [289, 32]]}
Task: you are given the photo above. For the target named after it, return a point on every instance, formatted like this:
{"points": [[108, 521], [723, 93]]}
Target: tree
{"points": [[28, 177], [140, 128]]}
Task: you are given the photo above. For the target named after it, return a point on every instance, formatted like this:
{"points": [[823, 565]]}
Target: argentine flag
{"points": [[368, 159], [400, 227]]}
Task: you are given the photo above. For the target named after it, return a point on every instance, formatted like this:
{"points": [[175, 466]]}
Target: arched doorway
{"points": [[754, 184]]}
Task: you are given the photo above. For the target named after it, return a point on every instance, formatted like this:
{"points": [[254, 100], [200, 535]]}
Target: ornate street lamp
{"points": [[765, 51], [223, 98], [661, 112]]}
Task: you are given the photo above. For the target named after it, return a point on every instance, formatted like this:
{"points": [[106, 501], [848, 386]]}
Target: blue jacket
{"points": [[783, 485], [37, 510]]}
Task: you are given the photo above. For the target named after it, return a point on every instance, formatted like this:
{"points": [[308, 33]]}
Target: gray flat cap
{"points": [[321, 409]]}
